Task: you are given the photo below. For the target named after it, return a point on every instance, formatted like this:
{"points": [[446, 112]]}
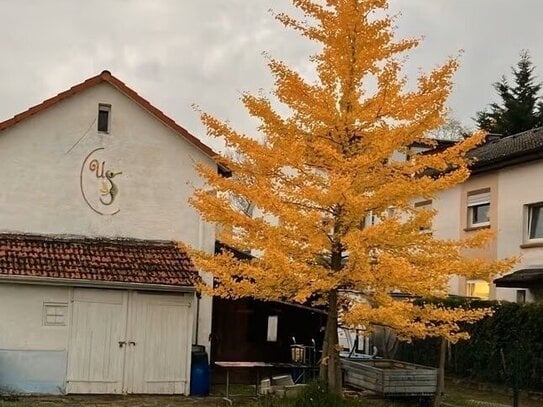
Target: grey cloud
{"points": [[179, 52]]}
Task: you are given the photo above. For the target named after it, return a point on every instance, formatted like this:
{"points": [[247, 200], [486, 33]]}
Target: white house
{"points": [[504, 193], [96, 296]]}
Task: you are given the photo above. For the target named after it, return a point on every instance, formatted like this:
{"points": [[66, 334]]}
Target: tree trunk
{"points": [[323, 367], [440, 391], [516, 397], [330, 368]]}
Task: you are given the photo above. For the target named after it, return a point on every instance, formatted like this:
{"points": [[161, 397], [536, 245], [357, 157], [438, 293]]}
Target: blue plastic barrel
{"points": [[199, 372]]}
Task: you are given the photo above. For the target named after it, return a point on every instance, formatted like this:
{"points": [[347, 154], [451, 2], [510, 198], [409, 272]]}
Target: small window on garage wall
{"points": [[55, 313]]}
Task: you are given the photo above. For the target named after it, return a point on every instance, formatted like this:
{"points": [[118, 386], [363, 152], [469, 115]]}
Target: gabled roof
{"points": [[97, 260], [107, 77], [501, 152]]}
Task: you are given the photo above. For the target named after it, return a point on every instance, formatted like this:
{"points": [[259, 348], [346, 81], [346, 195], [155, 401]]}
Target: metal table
{"points": [[231, 365]]}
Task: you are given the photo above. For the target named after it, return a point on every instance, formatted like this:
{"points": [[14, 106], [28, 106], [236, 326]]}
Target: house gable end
{"points": [[107, 77]]}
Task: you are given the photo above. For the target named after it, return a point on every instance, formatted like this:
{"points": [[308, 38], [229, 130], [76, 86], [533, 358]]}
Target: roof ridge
{"points": [[106, 76], [513, 149], [522, 133], [47, 103], [510, 137], [71, 238]]}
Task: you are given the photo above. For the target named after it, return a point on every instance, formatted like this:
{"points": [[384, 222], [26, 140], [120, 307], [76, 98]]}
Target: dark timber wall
{"points": [[239, 331]]}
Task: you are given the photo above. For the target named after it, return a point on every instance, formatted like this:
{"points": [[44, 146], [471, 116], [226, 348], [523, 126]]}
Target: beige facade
{"points": [[510, 190]]}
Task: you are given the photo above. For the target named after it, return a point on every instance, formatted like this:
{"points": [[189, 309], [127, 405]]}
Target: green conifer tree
{"points": [[521, 106]]}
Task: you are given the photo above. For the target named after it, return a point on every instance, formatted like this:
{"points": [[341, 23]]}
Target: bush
{"points": [[503, 348]]}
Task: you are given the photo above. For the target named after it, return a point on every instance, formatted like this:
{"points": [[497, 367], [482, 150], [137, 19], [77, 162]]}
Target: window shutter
{"points": [[479, 199]]}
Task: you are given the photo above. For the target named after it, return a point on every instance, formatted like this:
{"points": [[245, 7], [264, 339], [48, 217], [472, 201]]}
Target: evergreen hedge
{"points": [[505, 348]]}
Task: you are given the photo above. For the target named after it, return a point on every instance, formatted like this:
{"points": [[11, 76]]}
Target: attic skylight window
{"points": [[104, 118]]}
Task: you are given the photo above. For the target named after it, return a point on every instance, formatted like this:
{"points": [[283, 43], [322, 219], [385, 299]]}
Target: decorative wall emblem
{"points": [[99, 183]]}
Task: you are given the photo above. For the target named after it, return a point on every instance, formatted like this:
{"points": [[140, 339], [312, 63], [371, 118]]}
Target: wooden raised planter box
{"points": [[390, 378]]}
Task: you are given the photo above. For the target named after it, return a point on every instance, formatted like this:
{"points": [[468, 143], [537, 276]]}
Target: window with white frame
{"points": [[479, 208], [535, 221]]}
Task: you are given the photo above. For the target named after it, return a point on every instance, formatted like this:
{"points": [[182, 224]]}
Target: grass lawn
{"points": [[114, 401], [457, 396]]}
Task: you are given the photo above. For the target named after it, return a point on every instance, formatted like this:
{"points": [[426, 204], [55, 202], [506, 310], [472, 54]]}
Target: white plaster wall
{"points": [[32, 356], [519, 185], [21, 326], [510, 294], [447, 221], [202, 324], [41, 192], [447, 226], [41, 160]]}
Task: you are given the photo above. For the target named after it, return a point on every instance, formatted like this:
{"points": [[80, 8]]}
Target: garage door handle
{"points": [[132, 343], [121, 344]]}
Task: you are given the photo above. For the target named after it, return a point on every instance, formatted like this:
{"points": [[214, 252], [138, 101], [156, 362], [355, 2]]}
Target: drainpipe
{"points": [[197, 327], [198, 295]]}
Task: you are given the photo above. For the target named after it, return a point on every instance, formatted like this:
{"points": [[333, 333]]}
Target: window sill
{"points": [[529, 245], [472, 228]]}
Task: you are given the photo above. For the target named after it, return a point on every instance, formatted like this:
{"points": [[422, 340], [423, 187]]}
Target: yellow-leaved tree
{"points": [[318, 175]]}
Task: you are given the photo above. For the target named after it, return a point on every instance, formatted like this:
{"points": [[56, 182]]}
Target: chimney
{"points": [[493, 137]]}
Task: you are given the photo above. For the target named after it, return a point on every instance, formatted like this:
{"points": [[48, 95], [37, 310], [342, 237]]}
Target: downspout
{"points": [[199, 295]]}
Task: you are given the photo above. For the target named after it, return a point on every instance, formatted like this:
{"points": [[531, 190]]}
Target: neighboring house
{"points": [[96, 296], [504, 193]]}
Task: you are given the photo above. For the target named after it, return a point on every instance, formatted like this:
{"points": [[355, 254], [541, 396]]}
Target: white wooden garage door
{"points": [[129, 342]]}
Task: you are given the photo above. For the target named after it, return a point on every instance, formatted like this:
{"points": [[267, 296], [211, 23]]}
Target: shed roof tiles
{"points": [[96, 259]]}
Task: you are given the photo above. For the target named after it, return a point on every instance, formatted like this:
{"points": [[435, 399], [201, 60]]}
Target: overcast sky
{"points": [[179, 52]]}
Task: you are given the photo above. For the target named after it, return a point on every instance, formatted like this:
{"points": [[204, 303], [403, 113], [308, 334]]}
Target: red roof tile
{"points": [[106, 260], [107, 77]]}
